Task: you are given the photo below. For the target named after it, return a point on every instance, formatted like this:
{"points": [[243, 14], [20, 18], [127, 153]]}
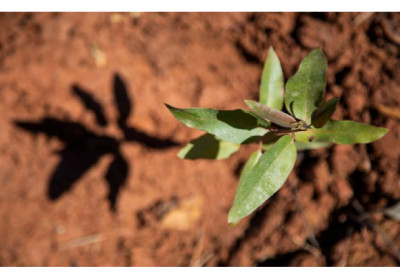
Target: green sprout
{"points": [[306, 124]]}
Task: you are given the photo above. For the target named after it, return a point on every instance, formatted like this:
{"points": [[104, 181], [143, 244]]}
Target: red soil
{"points": [[172, 212]]}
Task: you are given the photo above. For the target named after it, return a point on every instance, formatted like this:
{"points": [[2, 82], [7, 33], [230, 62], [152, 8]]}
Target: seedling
{"points": [[306, 124]]}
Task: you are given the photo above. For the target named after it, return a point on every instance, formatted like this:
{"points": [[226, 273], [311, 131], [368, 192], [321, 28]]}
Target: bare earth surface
{"points": [[82, 187]]}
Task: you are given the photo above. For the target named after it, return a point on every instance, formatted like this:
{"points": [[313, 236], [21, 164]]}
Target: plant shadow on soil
{"points": [[83, 148]]}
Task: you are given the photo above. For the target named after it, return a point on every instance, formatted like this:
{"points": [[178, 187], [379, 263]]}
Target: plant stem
{"points": [[287, 131], [281, 132]]}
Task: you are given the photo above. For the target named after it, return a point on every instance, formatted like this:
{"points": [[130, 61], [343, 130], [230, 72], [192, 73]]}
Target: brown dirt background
{"points": [[172, 212]]}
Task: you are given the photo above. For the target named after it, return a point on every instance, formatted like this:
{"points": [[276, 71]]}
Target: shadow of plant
{"points": [[84, 148]]}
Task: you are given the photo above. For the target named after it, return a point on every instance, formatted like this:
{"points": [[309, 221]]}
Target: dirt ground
{"points": [[88, 169]]}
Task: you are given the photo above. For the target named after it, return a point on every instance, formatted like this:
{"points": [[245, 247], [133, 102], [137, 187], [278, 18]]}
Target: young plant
{"points": [[306, 125]]}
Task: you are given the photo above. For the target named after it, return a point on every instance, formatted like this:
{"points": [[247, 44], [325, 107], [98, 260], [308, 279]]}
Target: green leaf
{"points": [[208, 147], [264, 179], [300, 146], [236, 126], [305, 89], [251, 162], [271, 89], [342, 132], [271, 114], [323, 113]]}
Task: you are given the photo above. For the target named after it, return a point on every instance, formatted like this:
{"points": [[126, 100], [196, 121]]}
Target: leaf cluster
{"points": [[306, 124]]}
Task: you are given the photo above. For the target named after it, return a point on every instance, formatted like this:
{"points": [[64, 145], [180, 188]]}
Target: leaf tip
{"points": [[235, 215], [380, 133], [271, 50], [233, 220], [181, 154], [384, 132], [169, 107], [173, 109], [318, 50]]}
